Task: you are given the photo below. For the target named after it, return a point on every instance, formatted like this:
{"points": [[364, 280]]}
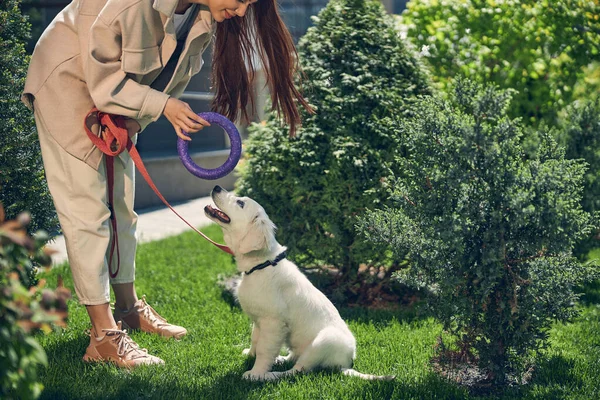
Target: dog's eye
{"points": [[240, 203]]}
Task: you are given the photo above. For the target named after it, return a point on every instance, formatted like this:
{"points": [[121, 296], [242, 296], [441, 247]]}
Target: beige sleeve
{"points": [[110, 88]]}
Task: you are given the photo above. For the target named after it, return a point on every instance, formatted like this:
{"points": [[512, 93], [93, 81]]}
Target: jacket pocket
{"points": [[140, 61], [195, 64]]}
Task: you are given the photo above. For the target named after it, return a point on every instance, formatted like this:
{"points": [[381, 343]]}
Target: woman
{"points": [[134, 58]]}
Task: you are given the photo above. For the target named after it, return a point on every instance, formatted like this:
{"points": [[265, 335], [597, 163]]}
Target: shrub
{"points": [[547, 50], [580, 134], [358, 73], [24, 306], [488, 231], [22, 183]]}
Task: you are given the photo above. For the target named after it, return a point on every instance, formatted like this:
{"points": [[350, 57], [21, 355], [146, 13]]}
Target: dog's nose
{"points": [[217, 189]]}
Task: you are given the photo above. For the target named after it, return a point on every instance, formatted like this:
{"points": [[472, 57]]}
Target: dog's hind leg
{"points": [[283, 359], [268, 344], [330, 348]]}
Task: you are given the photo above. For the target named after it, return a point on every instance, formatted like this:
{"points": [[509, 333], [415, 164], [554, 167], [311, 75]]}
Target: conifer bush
{"points": [[357, 75], [548, 50], [488, 232], [22, 183]]}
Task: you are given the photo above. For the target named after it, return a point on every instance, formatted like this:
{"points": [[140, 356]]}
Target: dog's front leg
{"points": [[268, 344], [251, 352]]}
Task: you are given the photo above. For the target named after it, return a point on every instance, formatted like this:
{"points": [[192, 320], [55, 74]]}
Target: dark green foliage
{"points": [[489, 232], [22, 183], [358, 75], [548, 50], [580, 133]]}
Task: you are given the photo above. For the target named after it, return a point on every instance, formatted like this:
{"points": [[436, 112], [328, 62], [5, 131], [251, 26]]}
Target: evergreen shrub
{"points": [[22, 183], [488, 232], [358, 74]]}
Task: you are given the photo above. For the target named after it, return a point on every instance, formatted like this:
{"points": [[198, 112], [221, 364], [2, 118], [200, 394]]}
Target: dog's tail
{"points": [[352, 372]]}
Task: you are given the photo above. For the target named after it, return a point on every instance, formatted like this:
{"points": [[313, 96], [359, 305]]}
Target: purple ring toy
{"points": [[234, 155]]}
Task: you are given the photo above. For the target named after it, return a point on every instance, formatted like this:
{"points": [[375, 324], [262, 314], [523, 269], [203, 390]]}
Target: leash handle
{"points": [[115, 140], [115, 136]]}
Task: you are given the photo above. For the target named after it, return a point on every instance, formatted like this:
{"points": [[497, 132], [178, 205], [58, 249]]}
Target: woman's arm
{"points": [[111, 89]]}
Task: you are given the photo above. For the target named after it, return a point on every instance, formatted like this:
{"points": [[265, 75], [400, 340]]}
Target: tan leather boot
{"points": [[117, 347], [143, 317]]}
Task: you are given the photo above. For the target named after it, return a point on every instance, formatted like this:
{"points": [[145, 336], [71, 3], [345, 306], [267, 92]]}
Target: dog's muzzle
{"points": [[217, 214]]}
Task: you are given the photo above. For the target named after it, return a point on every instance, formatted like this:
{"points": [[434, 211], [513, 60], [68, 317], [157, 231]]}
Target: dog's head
{"points": [[246, 226]]}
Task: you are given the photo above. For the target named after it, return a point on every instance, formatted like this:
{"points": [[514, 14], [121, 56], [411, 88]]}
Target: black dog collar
{"points": [[268, 263]]}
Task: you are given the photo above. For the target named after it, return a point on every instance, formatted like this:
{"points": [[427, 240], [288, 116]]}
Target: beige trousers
{"points": [[80, 197]]}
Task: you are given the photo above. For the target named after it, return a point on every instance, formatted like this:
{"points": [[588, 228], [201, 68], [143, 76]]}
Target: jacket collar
{"points": [[204, 23], [166, 7], [167, 10]]}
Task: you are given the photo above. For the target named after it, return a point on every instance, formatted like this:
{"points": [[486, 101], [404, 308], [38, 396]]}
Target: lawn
{"points": [[180, 275]]}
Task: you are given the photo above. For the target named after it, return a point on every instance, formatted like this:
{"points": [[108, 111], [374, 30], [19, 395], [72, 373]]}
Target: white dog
{"points": [[286, 309]]}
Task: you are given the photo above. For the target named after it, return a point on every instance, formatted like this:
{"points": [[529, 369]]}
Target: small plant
{"points": [[487, 231], [25, 306], [358, 75]]}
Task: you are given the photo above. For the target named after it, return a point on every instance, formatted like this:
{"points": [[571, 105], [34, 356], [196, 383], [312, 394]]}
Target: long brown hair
{"points": [[233, 67]]}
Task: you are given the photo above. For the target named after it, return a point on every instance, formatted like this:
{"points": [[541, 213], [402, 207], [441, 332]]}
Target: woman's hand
{"points": [[183, 118]]}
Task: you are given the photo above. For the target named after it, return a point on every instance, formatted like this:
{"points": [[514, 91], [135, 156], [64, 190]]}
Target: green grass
{"points": [[179, 276]]}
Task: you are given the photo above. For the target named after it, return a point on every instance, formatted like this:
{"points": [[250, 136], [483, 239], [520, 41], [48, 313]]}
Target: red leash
{"points": [[116, 140]]}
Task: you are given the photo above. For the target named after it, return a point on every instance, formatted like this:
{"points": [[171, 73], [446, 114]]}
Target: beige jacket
{"points": [[107, 53]]}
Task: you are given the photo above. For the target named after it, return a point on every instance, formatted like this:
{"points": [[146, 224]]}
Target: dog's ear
{"points": [[259, 235]]}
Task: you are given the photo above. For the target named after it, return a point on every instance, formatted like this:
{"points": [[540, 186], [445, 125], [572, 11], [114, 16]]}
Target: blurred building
{"points": [[210, 147]]}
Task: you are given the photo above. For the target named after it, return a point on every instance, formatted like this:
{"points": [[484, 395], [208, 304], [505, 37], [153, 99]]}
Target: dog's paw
{"points": [[248, 375], [247, 352], [253, 376]]}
